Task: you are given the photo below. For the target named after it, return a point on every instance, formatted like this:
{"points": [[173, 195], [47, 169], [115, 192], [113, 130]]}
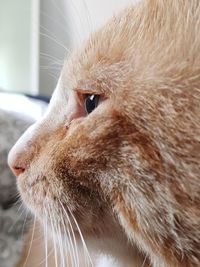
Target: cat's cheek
{"points": [[33, 192]]}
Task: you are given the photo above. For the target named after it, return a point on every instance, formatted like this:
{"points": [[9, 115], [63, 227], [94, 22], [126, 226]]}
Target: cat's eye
{"points": [[91, 102]]}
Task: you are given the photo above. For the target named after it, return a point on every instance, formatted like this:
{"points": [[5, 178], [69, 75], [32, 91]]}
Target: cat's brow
{"points": [[97, 86], [86, 91], [88, 87]]}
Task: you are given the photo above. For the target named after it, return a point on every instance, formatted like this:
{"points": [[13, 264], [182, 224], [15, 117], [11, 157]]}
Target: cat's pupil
{"points": [[91, 102]]}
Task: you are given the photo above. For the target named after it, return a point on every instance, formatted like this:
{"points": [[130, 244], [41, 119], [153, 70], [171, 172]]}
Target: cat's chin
{"points": [[101, 232], [115, 247]]}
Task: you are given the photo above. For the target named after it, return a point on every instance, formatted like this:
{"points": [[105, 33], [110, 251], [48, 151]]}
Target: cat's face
{"points": [[110, 151], [70, 162]]}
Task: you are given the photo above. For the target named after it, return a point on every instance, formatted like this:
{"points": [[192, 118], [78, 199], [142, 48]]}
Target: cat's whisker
{"points": [[31, 243], [57, 243], [82, 239], [71, 231], [49, 68], [49, 33], [20, 206], [144, 262], [56, 235], [17, 199], [55, 41], [44, 238], [15, 221], [48, 56], [53, 70], [58, 64], [88, 16], [24, 223], [74, 248], [54, 243], [52, 65], [74, 33], [52, 75], [45, 224], [44, 260], [18, 203], [69, 245], [86, 27], [60, 240], [46, 242], [73, 243], [62, 255], [59, 10], [67, 32]]}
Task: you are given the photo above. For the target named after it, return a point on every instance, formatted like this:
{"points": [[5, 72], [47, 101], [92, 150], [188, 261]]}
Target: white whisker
{"points": [[72, 243], [56, 233], [82, 239], [48, 32], [49, 68], [55, 22], [59, 10], [54, 243], [46, 242], [31, 243], [88, 16], [54, 40], [145, 258], [51, 57], [62, 255], [53, 75], [24, 223], [17, 219]]}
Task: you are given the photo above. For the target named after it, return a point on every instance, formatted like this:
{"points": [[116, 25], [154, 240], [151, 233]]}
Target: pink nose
{"points": [[17, 170], [22, 153], [14, 160], [20, 156]]}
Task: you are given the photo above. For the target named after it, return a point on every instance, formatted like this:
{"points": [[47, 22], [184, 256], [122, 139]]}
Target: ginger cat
{"points": [[116, 159]]}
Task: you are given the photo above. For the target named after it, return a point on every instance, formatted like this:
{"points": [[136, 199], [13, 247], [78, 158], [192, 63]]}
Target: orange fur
{"points": [[129, 171]]}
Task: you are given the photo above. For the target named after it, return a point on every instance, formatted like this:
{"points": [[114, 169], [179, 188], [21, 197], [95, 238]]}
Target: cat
{"points": [[118, 151]]}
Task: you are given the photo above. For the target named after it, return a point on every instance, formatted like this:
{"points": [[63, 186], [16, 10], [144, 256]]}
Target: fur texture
{"points": [[129, 171]]}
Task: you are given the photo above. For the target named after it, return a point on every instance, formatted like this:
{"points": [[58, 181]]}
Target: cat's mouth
{"points": [[73, 208]]}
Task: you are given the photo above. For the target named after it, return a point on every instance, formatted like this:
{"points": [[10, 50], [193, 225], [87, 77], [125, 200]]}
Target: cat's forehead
{"points": [[99, 77], [142, 43], [100, 63]]}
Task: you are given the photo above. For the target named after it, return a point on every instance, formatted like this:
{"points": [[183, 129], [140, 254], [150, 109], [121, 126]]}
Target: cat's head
{"points": [[119, 142]]}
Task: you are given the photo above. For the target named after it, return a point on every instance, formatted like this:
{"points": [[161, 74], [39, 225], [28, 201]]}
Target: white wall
{"points": [[88, 15], [15, 66], [54, 40]]}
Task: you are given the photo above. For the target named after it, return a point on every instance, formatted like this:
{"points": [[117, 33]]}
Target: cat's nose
{"points": [[15, 161], [21, 154], [16, 170]]}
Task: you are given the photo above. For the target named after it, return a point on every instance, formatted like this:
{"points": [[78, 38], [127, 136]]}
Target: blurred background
{"points": [[36, 36]]}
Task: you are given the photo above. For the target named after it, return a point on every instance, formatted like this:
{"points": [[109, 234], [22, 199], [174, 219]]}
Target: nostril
{"points": [[17, 160], [22, 153], [17, 170]]}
